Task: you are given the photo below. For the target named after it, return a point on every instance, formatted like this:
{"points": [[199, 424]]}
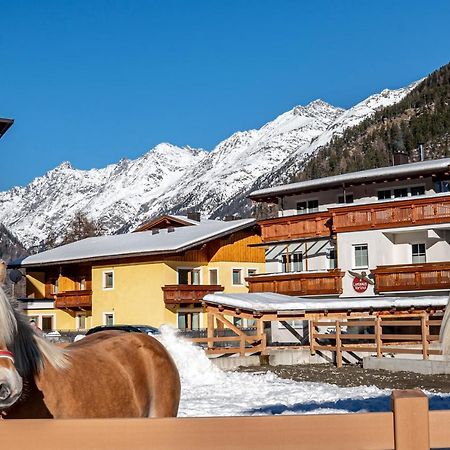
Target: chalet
{"points": [[158, 274], [379, 232]]}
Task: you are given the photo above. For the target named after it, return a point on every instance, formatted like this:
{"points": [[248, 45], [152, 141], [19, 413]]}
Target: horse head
{"points": [[11, 383]]}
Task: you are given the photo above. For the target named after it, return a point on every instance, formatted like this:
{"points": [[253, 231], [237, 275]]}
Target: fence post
{"points": [[378, 333], [411, 422], [210, 330], [425, 332], [338, 344], [311, 337]]}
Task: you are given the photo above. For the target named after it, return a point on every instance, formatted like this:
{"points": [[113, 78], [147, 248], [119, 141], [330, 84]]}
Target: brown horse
{"points": [[107, 374]]}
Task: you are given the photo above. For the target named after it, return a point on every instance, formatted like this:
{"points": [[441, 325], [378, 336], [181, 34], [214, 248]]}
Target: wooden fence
{"points": [[408, 426], [417, 341]]}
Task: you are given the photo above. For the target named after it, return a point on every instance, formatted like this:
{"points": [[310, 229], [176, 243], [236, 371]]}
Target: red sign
{"points": [[360, 285]]}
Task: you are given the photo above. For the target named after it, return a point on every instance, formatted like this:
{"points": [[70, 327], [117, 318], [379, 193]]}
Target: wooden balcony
{"points": [[179, 294], [412, 277], [297, 226], [298, 283], [74, 300], [404, 213]]}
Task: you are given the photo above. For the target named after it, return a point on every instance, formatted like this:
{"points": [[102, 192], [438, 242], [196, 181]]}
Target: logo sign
{"points": [[360, 285]]}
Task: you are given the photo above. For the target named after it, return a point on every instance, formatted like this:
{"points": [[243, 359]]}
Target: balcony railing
{"points": [[74, 300], [177, 294], [299, 283], [404, 213], [297, 226], [412, 277]]}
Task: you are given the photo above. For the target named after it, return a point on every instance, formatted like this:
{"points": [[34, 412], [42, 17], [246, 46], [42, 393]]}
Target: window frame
{"points": [[109, 313], [347, 194], [307, 201], [104, 287], [355, 266], [424, 254], [241, 271], [211, 269]]}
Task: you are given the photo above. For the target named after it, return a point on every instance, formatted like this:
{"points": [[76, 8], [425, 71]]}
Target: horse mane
{"points": [[31, 352]]}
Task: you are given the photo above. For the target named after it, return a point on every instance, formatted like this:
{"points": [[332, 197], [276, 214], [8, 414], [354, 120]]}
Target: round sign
{"points": [[15, 275], [360, 285]]}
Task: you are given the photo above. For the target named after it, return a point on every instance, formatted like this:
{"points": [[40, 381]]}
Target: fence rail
{"points": [[408, 426]]}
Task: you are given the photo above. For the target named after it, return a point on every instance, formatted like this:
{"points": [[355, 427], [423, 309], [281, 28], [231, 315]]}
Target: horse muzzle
{"points": [[10, 390]]}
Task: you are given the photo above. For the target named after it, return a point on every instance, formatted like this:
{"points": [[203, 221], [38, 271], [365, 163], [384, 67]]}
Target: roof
{"points": [[136, 244], [271, 302], [391, 172], [169, 220], [4, 125]]}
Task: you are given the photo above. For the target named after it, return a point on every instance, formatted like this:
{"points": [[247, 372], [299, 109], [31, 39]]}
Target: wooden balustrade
{"points": [[404, 213], [297, 226], [74, 300], [412, 277], [176, 294], [301, 283]]}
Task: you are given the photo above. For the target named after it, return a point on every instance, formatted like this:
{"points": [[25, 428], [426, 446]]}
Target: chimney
{"points": [[194, 215], [170, 229], [400, 158]]}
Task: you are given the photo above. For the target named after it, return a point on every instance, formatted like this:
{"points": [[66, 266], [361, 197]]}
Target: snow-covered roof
{"points": [[271, 302], [417, 168], [137, 244]]}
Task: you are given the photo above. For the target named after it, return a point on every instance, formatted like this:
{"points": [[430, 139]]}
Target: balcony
{"points": [[403, 213], [179, 294], [412, 277], [297, 226], [74, 300], [299, 283]]}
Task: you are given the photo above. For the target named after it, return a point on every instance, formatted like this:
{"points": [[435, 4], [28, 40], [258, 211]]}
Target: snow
{"points": [[208, 391], [172, 179], [268, 301]]}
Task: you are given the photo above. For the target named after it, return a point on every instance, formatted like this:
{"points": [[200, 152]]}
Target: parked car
{"points": [[147, 329]]}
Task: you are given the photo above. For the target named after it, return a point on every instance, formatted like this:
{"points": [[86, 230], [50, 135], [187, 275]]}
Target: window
{"points": [[81, 321], [108, 319], [82, 284], [348, 198], [108, 280], [188, 321], [418, 253], [189, 276], [384, 194], [361, 256], [442, 186], [417, 190], [251, 272], [400, 192], [332, 260], [55, 286], [47, 324], [237, 277], [309, 206], [292, 262], [213, 276]]}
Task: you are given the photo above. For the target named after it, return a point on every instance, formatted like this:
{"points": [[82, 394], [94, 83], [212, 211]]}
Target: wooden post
{"points": [[311, 337], [425, 332], [411, 423], [338, 345], [378, 333], [242, 346], [210, 330]]}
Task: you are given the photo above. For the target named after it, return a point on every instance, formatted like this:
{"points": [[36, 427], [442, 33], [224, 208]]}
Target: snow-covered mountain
{"points": [[174, 179]]}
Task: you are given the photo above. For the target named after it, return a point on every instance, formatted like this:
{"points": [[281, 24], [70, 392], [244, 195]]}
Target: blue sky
{"points": [[96, 81]]}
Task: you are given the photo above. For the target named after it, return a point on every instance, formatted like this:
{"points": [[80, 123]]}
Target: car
{"points": [[147, 329]]}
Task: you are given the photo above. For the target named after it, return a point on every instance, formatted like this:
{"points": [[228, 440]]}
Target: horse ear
{"points": [[2, 272]]}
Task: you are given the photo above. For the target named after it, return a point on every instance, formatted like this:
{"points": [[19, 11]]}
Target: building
{"points": [[5, 124], [359, 235], [158, 274]]}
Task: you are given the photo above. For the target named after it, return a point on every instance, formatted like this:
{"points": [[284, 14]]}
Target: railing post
{"points": [[425, 332], [411, 422], [312, 339], [338, 344], [378, 333], [210, 330]]}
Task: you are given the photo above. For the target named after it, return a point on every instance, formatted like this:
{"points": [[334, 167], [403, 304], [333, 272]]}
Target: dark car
{"points": [[147, 329]]}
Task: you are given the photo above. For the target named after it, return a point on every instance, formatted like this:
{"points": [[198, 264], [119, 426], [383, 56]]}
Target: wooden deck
{"points": [[300, 283], [177, 294], [74, 300], [412, 277]]}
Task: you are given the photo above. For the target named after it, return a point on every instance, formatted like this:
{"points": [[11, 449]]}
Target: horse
{"points": [[106, 374]]}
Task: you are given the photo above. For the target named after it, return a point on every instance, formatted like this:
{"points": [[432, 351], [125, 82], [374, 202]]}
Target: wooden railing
{"points": [[408, 426], [300, 283], [412, 277], [74, 300], [296, 226], [404, 213], [415, 339], [176, 294]]}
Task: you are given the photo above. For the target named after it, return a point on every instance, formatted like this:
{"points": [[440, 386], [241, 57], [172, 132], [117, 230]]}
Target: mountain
{"points": [[175, 179]]}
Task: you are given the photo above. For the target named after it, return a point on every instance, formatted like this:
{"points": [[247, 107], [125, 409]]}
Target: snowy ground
{"points": [[209, 391]]}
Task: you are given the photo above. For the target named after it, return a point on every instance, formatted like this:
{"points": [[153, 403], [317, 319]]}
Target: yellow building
{"points": [[158, 274]]}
